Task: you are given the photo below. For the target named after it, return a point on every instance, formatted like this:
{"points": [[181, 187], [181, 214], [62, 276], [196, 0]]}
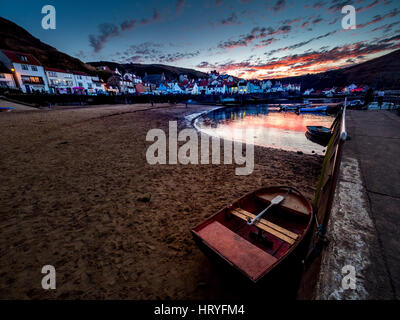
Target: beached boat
{"points": [[228, 99], [314, 109], [258, 231], [6, 109], [318, 134], [293, 108]]}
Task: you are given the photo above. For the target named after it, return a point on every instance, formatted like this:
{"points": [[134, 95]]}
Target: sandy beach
{"points": [[74, 194]]}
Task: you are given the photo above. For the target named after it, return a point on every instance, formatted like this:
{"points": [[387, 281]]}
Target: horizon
{"points": [[245, 38]]}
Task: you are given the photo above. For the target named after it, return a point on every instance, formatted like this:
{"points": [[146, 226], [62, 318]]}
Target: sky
{"points": [[246, 38]]}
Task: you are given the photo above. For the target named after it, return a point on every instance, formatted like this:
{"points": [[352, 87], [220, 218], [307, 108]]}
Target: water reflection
{"points": [[283, 130]]}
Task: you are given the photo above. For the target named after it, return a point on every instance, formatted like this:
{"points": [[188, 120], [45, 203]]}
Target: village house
{"points": [[6, 77], [203, 86], [84, 83], [134, 78], [277, 87], [162, 89], [156, 79], [242, 87], [349, 89], [28, 72], [99, 86], [231, 87], [253, 88], [308, 91], [176, 89], [265, 85], [60, 81], [143, 88], [329, 91], [192, 88]]}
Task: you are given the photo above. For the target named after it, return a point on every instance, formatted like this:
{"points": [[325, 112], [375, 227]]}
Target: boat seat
{"points": [[244, 255], [291, 203], [279, 232]]}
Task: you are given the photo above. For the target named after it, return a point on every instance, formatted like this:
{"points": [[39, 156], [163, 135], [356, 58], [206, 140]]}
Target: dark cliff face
{"points": [[13, 37]]}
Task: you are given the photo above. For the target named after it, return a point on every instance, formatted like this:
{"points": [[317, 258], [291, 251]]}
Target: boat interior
{"points": [[254, 249]]}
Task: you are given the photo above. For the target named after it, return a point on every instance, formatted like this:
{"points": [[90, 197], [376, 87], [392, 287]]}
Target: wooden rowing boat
{"points": [[319, 134], [256, 249]]}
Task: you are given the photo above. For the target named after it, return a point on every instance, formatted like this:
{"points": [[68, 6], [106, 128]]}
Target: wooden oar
{"points": [[274, 202]]}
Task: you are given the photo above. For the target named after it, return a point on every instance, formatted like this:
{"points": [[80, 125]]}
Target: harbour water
{"points": [[272, 128]]}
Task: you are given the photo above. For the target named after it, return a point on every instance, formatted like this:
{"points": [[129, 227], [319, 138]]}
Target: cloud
{"points": [[231, 20], [256, 33], [318, 5], [265, 42], [379, 18], [279, 5], [311, 61], [156, 17], [153, 52], [387, 27], [108, 31], [371, 5], [128, 24], [179, 6], [337, 5], [300, 44]]}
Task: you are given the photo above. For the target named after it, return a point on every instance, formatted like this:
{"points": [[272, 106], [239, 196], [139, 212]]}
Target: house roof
{"points": [[79, 73], [204, 83], [55, 70], [14, 56]]}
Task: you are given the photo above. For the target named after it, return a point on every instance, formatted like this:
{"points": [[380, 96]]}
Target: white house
{"points": [[28, 71], [265, 85], [176, 89], [203, 86], [308, 91], [60, 81], [242, 87], [192, 88], [349, 88], [6, 77], [99, 85], [253, 88], [84, 83]]}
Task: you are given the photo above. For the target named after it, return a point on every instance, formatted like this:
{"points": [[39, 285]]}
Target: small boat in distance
{"points": [[319, 135], [6, 109], [257, 232], [314, 109], [294, 108]]}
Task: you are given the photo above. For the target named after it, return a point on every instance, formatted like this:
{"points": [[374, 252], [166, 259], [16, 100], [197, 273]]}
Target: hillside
{"points": [[170, 72], [13, 37], [382, 72]]}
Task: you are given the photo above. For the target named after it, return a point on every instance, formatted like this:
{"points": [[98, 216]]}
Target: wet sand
{"points": [[73, 194]]}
